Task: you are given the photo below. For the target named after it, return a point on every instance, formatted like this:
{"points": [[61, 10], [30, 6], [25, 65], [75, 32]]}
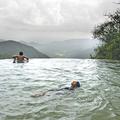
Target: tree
{"points": [[109, 33], [108, 30]]}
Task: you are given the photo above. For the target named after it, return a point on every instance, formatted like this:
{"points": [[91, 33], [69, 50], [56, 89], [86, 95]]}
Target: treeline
{"points": [[109, 34]]}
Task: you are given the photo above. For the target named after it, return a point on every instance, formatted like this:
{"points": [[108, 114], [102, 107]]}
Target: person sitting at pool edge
{"points": [[20, 58], [74, 84]]}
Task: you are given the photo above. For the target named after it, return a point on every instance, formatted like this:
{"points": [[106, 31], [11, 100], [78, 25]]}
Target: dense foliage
{"points": [[109, 34]]}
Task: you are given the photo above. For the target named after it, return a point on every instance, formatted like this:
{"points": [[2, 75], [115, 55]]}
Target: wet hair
{"points": [[20, 53], [78, 84], [75, 83]]}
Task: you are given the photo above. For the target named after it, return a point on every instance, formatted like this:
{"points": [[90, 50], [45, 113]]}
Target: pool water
{"points": [[98, 98]]}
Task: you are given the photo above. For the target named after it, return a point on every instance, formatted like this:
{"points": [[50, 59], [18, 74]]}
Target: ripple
{"points": [[97, 99]]}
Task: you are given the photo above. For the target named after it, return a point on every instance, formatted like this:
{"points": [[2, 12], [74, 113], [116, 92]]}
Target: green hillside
{"points": [[10, 48]]}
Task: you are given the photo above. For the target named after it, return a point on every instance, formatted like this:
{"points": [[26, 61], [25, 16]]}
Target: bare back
{"points": [[20, 58]]}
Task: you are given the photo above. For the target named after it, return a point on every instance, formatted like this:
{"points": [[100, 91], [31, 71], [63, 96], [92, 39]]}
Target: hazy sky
{"points": [[51, 19]]}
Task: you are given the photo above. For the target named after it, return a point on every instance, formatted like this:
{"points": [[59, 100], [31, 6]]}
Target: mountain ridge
{"points": [[72, 48], [11, 47]]}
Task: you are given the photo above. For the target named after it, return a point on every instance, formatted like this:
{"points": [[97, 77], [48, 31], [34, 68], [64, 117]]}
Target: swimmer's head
{"points": [[20, 53], [75, 84]]}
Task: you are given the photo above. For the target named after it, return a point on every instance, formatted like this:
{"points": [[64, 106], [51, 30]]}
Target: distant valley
{"points": [[74, 48]]}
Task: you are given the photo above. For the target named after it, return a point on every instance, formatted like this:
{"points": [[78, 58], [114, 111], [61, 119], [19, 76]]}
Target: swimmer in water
{"points": [[74, 84], [20, 58]]}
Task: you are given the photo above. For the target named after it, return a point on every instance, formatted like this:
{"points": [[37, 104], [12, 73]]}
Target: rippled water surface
{"points": [[98, 98]]}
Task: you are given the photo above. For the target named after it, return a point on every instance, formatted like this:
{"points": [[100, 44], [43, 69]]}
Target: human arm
{"points": [[38, 94], [27, 59], [51, 90], [14, 58]]}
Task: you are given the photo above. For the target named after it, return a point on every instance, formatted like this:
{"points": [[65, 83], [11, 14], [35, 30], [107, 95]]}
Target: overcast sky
{"points": [[51, 19]]}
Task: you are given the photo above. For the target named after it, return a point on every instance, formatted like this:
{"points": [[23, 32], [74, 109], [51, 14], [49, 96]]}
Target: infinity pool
{"points": [[98, 98]]}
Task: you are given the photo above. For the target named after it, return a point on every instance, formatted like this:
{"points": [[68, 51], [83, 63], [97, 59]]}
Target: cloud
{"points": [[30, 16]]}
